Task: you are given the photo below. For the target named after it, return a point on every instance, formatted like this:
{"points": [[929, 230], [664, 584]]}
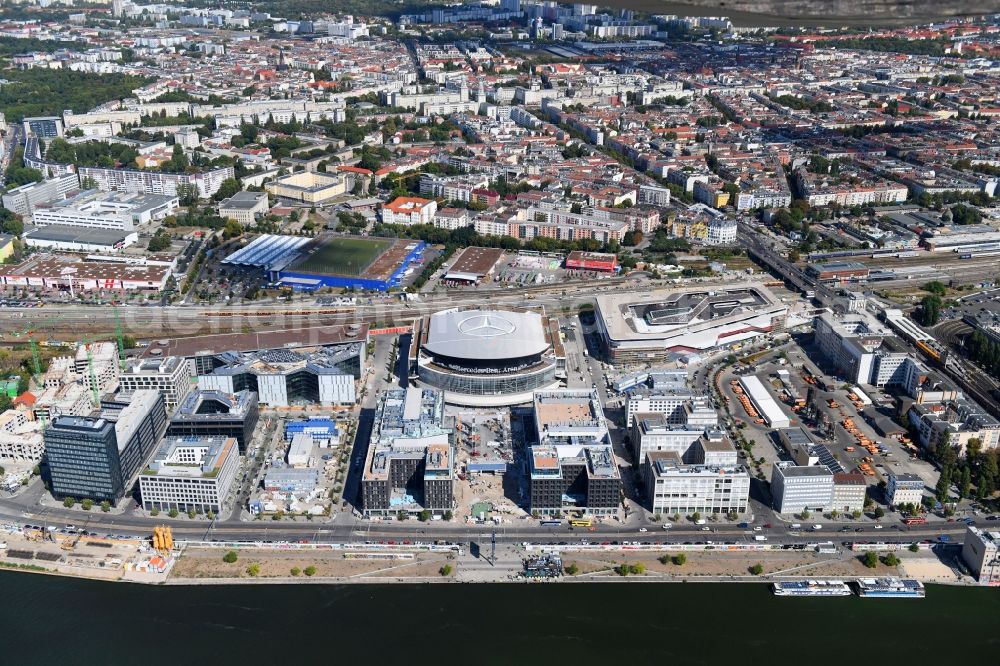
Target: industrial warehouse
{"points": [[647, 329], [51, 272], [487, 357]]}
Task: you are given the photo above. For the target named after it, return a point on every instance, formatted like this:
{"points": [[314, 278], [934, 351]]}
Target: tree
{"points": [[891, 560], [572, 570], [965, 483], [943, 484], [914, 548], [424, 516], [160, 241], [936, 287], [870, 559], [757, 569], [879, 512], [154, 512], [11, 223], [804, 514], [227, 188], [680, 559], [69, 502], [310, 571], [172, 513], [295, 571], [230, 557], [663, 559], [445, 570], [856, 514], [233, 229], [930, 310], [253, 570], [696, 516], [448, 515], [105, 506], [87, 504], [178, 159]]}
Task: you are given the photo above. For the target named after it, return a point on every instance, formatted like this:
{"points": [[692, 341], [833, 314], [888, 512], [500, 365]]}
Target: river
{"points": [[54, 620]]}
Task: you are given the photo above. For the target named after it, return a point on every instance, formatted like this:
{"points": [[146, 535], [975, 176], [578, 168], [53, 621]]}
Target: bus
{"points": [[551, 523], [581, 523], [915, 521]]}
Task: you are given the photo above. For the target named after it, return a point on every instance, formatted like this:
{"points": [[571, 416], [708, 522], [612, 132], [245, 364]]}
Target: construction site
{"points": [[74, 551]]}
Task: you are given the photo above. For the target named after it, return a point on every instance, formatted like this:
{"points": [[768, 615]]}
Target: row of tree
{"points": [[984, 351]]}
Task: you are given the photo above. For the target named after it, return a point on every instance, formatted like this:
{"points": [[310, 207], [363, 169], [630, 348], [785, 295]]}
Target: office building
{"points": [[863, 350], [190, 473], [680, 407], [216, 414], [797, 488], [981, 553], [118, 211], [705, 478], [99, 457], [849, 490], [285, 377], [410, 464], [572, 465], [957, 421], [244, 207], [170, 375], [654, 432], [903, 489]]}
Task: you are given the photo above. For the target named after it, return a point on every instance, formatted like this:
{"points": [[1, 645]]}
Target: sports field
{"points": [[343, 256]]}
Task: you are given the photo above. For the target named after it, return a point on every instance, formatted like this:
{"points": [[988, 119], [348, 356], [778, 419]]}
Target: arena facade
{"points": [[482, 357]]}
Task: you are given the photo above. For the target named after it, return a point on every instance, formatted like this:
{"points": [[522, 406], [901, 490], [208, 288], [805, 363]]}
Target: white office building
{"points": [[170, 376], [111, 210], [190, 473], [904, 489], [704, 479], [797, 488]]}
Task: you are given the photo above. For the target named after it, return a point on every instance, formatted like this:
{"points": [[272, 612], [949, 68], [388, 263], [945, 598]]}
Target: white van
{"points": [[796, 526]]}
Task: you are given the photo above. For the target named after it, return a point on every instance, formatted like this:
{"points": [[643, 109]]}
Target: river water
{"points": [[53, 620]]}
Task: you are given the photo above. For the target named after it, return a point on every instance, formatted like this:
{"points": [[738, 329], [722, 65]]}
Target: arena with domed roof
{"points": [[481, 357]]}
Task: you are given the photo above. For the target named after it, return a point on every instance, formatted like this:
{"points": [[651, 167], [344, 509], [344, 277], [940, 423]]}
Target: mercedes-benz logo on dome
{"points": [[486, 326]]}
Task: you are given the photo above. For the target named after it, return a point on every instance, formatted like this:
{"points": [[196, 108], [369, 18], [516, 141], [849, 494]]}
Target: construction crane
{"points": [[36, 363]]}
